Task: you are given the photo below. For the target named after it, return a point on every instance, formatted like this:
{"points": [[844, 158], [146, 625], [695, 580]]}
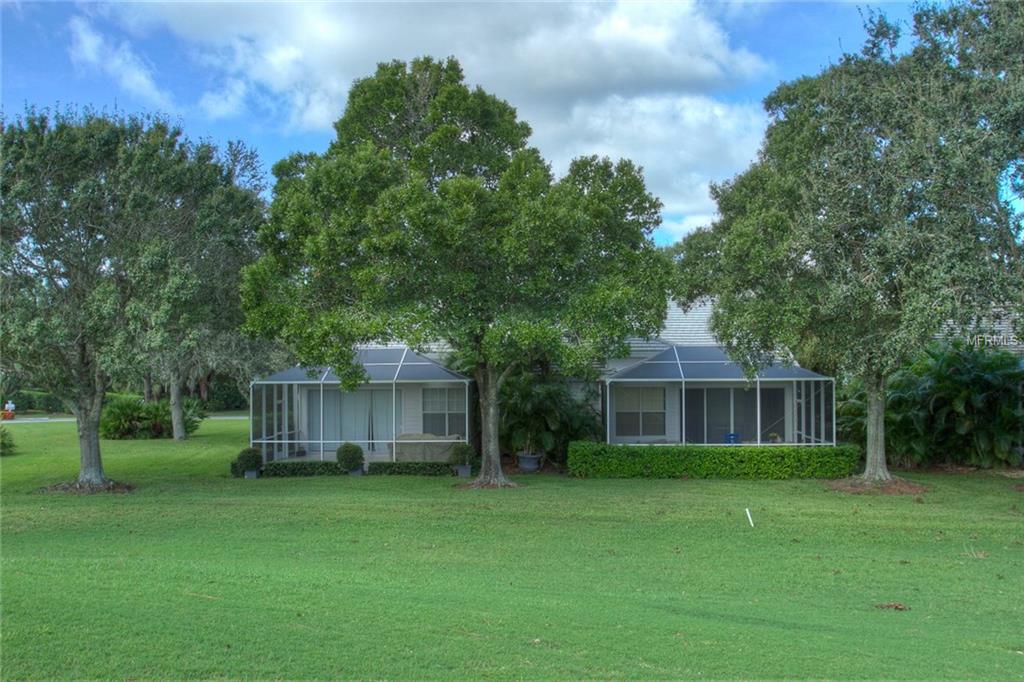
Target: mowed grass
{"points": [[198, 575]]}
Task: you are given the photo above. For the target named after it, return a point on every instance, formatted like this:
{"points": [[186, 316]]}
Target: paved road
{"points": [[58, 420]]}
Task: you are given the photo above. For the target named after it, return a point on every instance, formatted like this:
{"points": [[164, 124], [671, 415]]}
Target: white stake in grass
{"points": [[750, 518]]}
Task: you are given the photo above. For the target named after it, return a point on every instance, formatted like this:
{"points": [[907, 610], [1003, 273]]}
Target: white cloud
{"points": [[673, 228], [226, 102], [92, 50], [636, 80]]}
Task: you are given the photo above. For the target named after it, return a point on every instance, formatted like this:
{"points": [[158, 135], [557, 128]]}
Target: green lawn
{"points": [[199, 575]]}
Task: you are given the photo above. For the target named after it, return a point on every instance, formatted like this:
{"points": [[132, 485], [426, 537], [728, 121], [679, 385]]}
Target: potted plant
{"points": [[350, 458], [531, 419], [462, 459], [248, 463]]}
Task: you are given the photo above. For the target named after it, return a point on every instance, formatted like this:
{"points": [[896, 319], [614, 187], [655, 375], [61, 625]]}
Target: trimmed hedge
{"points": [[303, 469], [410, 468], [601, 460]]}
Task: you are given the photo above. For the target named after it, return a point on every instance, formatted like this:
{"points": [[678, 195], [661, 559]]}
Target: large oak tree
{"points": [[78, 195], [429, 219], [876, 213]]}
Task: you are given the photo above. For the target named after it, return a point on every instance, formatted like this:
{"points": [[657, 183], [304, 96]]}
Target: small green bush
{"points": [[350, 456], [285, 469], [128, 418], [601, 460], [6, 442], [463, 453], [410, 468], [247, 460]]}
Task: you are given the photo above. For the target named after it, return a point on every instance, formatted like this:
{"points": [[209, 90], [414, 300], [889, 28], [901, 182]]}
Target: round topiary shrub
{"points": [[249, 459], [350, 456]]}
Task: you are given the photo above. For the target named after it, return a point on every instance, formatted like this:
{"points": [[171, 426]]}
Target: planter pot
{"points": [[358, 471], [252, 473], [463, 470], [528, 462]]}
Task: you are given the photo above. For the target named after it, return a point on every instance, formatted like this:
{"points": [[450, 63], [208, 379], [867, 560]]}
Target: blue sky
{"points": [[676, 88]]}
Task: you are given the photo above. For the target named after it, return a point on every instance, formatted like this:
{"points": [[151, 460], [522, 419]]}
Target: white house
{"points": [[677, 388]]}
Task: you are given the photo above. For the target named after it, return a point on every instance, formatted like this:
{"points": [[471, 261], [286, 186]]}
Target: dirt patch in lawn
{"points": [[858, 486], [894, 605], [77, 488], [1019, 488]]}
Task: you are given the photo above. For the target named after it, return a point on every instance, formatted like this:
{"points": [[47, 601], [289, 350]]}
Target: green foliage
{"points": [[449, 228], [955, 404], [132, 418], [286, 469], [224, 394], [350, 456], [249, 459], [540, 414], [464, 453], [6, 442], [601, 460], [870, 219], [43, 401], [409, 469]]}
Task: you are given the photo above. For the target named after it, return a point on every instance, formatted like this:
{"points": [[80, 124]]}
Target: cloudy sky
{"points": [[675, 87]]}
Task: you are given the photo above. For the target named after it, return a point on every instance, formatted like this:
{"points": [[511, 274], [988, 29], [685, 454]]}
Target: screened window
{"points": [[773, 415], [694, 415], [640, 411], [444, 411]]}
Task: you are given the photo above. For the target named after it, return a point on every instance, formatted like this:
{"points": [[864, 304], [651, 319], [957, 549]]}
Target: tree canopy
{"points": [[875, 215], [430, 220], [116, 232]]}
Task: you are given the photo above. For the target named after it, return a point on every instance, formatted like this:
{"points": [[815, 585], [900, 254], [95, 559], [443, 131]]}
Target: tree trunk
{"points": [[87, 415], [875, 468], [204, 388], [177, 410], [147, 388], [491, 475]]}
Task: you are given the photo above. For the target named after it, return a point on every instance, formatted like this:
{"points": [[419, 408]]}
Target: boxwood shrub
{"points": [[410, 468], [247, 460], [303, 469], [601, 460]]}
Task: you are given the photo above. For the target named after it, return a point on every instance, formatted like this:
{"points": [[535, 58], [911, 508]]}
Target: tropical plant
{"points": [[956, 403], [540, 414], [350, 456], [131, 418]]}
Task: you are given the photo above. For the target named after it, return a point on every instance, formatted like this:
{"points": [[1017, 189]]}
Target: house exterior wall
{"points": [[672, 414], [675, 405]]}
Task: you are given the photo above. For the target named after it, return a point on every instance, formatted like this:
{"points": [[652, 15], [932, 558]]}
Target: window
{"points": [[640, 412], [444, 411]]}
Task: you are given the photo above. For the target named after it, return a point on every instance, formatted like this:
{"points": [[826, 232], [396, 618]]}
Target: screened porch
{"points": [[411, 409], [696, 395]]}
